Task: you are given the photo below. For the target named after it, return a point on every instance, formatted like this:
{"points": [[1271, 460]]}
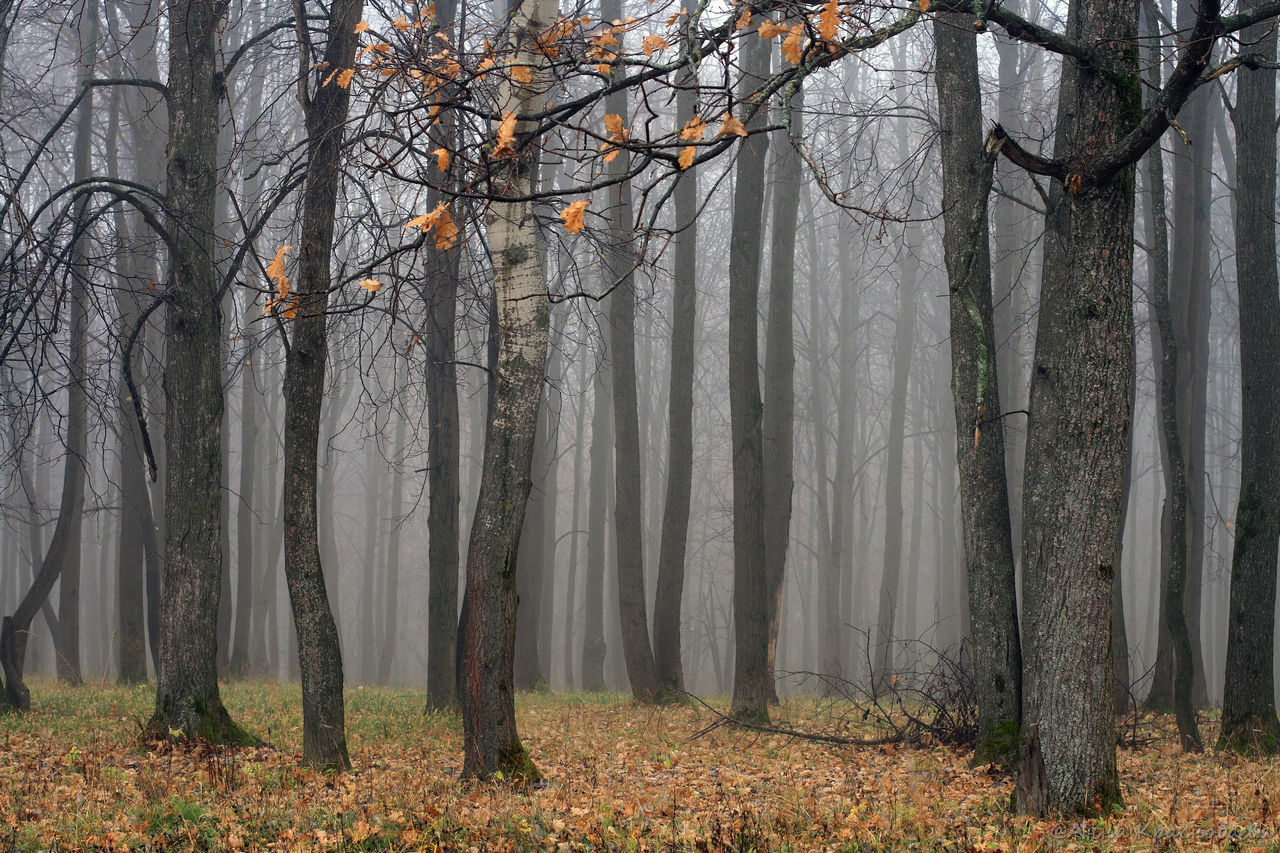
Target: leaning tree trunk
{"points": [[490, 741], [752, 680], [324, 740], [984, 493], [1249, 720], [188, 703]]}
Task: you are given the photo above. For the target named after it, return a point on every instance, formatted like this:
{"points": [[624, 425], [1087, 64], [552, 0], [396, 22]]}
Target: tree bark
{"points": [[324, 740], [188, 703], [598, 486], [975, 387], [1078, 434], [669, 595], [778, 424], [752, 680], [490, 741], [444, 461], [1249, 722]]}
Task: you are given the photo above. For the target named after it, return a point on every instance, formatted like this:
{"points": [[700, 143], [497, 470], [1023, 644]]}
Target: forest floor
{"points": [[618, 777]]}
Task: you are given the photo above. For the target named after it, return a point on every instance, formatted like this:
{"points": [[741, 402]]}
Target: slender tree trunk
{"points": [[391, 590], [752, 680], [1249, 720], [68, 641], [599, 486], [444, 461], [629, 505], [669, 594], [490, 741], [571, 582], [245, 522], [324, 740], [778, 425], [975, 387]]}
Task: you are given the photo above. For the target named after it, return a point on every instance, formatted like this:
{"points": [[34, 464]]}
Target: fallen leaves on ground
{"points": [[619, 777]]}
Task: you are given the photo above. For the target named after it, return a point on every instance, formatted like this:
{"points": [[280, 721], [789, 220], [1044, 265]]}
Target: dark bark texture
{"points": [[1249, 720], [984, 495]]}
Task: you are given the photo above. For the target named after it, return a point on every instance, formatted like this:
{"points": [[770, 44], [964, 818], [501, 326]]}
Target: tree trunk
{"points": [[490, 741], [444, 463], [1078, 435], [391, 590], [324, 740], [188, 703], [980, 444], [778, 423], [752, 680], [1249, 720], [245, 521], [598, 487], [669, 595]]}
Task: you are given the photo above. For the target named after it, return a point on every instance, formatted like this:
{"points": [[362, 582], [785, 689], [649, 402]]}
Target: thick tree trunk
{"points": [[1078, 435], [752, 680], [1249, 720], [984, 495], [324, 740], [778, 423], [669, 594], [571, 583], [490, 741], [188, 703]]}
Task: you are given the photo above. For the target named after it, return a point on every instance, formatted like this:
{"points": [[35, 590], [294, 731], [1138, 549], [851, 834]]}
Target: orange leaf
{"points": [[371, 284], [400, 24], [686, 156], [439, 219], [731, 125], [572, 216], [521, 73], [829, 19], [652, 44], [362, 26], [613, 126], [743, 21], [924, 6], [506, 146], [442, 159], [344, 77], [693, 129], [275, 271], [793, 46], [446, 229], [768, 29]]}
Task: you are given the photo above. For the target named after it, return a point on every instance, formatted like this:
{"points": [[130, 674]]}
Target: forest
{"points": [[605, 424]]}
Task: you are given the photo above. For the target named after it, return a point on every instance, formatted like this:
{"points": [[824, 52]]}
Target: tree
{"points": [[490, 741], [752, 682], [324, 742], [984, 496], [1249, 720], [188, 703], [684, 325]]}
